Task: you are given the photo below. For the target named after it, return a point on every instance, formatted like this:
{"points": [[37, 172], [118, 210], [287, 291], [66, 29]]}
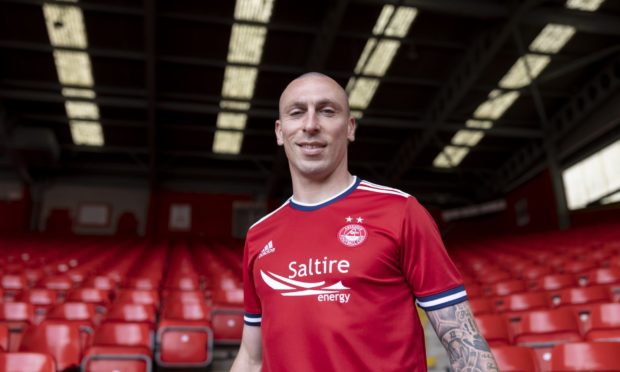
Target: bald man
{"points": [[332, 277]]}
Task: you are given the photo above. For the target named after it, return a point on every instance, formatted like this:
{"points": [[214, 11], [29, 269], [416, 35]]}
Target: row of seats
{"points": [[548, 301], [127, 305]]}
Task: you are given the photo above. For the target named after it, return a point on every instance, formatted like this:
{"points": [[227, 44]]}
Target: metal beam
{"points": [[526, 162], [461, 81], [588, 22], [473, 8]]}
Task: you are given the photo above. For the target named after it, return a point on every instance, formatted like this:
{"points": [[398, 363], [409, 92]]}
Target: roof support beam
{"points": [[463, 78]]}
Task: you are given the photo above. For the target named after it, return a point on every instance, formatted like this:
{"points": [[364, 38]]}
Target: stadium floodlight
{"points": [[87, 133], [246, 43], [82, 110], [378, 54]]}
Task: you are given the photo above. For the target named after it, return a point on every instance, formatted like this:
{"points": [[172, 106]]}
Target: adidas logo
{"points": [[267, 249]]}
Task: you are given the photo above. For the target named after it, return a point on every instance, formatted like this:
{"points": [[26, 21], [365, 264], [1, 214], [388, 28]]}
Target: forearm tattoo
{"points": [[459, 334]]}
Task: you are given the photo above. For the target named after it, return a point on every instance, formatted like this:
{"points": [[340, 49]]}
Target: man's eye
{"points": [[328, 111], [295, 113]]}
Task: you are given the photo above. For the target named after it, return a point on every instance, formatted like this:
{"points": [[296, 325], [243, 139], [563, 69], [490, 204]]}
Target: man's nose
{"points": [[311, 123]]}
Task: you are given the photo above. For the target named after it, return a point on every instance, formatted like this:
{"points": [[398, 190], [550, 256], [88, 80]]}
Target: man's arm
{"points": [[459, 334], [250, 356]]}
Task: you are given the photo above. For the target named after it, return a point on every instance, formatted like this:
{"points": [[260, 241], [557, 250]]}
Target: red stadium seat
{"points": [[183, 283], [535, 272], [515, 359], [172, 296], [494, 328], [507, 287], [4, 338], [473, 291], [493, 276], [578, 266], [95, 296], [227, 324], [586, 356], [17, 316], [142, 283], [481, 306], [61, 283], [77, 312], [101, 282], [138, 296], [542, 329], [135, 313], [604, 323], [519, 302], [555, 282], [602, 276], [62, 340], [31, 362], [12, 284], [184, 336], [120, 346], [581, 296]]}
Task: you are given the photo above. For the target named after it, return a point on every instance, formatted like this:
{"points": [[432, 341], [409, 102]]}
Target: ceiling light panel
{"points": [[363, 89], [82, 110], [254, 10], [86, 133], [227, 142], [239, 82], [229, 120], [65, 26], [401, 22], [552, 38], [467, 137], [442, 161], [585, 5], [73, 68], [524, 71], [246, 43], [496, 105]]}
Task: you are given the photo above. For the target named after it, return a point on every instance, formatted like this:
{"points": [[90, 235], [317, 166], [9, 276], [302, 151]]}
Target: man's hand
{"points": [[250, 356], [459, 334]]}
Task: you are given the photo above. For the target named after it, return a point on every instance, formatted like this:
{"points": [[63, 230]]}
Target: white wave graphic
{"points": [[296, 282], [274, 283], [337, 287]]}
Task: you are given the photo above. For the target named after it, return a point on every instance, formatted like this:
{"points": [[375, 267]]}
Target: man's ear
{"points": [[278, 129], [351, 127]]}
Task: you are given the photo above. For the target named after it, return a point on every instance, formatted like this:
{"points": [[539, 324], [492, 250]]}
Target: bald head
{"points": [[334, 89]]}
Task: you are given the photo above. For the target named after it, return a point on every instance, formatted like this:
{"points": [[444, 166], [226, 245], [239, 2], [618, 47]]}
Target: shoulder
{"points": [[269, 217], [385, 191]]}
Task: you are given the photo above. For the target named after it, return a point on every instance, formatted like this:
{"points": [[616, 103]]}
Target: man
{"points": [[332, 276]]}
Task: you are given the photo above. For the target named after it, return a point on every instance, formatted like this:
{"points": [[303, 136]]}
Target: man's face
{"points": [[315, 127]]}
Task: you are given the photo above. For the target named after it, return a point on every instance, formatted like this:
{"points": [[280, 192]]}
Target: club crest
{"points": [[352, 235]]}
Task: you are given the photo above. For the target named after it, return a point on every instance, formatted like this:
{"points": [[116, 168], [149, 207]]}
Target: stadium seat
{"points": [[519, 302], [494, 328], [541, 329], [493, 276], [586, 356], [184, 336], [61, 339], [17, 316], [101, 282], [133, 313], [515, 359], [122, 346], [535, 272], [507, 287], [138, 296], [555, 282], [602, 276], [580, 296], [189, 296], [4, 338], [12, 284], [77, 312], [31, 362], [95, 296], [227, 323], [578, 266], [604, 323]]}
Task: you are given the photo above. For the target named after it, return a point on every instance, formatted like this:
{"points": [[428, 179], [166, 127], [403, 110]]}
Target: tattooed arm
{"points": [[459, 334]]}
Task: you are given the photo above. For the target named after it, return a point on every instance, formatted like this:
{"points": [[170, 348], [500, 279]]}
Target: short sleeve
{"points": [[251, 302], [432, 276]]}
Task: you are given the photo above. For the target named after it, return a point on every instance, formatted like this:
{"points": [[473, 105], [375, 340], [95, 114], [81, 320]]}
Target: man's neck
{"points": [[312, 191]]}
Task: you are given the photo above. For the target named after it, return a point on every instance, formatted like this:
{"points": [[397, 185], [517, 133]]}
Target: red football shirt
{"points": [[333, 285]]}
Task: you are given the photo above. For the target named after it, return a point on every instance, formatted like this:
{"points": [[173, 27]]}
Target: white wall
{"points": [[120, 199]]}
